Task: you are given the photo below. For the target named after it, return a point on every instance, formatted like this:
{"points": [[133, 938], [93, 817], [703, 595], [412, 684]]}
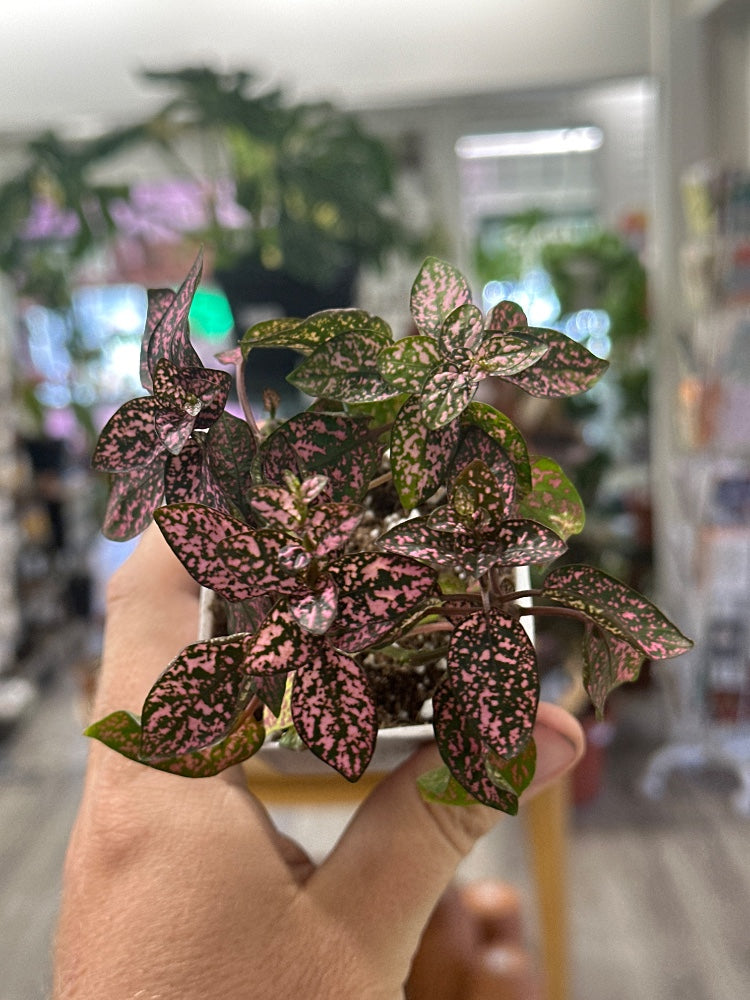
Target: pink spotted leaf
{"points": [[334, 711], [129, 439], [345, 368], [464, 752], [271, 690], [195, 532], [196, 700], [437, 290], [419, 455], [617, 608], [276, 506], [330, 526], [133, 496], [476, 444], [189, 478], [230, 450], [608, 662], [247, 615], [506, 316], [504, 433], [121, 731], [158, 301], [566, 369], [476, 489], [279, 645], [504, 355], [445, 395], [264, 560], [376, 591], [553, 499], [315, 610], [406, 364], [337, 445], [171, 390], [173, 429], [525, 542], [170, 337], [462, 333], [492, 669], [418, 539]]}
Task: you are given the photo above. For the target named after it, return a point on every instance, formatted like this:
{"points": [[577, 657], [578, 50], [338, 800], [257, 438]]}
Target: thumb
{"points": [[399, 852]]}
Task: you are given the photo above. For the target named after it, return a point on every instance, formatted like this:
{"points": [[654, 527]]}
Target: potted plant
{"points": [[362, 553]]}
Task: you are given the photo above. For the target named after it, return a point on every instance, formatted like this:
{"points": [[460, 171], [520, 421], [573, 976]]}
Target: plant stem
{"points": [[380, 480], [245, 402]]}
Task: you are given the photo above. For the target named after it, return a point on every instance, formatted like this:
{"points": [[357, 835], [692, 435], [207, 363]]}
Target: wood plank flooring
{"points": [[660, 891]]}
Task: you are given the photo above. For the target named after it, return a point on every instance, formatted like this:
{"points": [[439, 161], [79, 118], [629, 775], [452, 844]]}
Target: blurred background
{"points": [[591, 161]]}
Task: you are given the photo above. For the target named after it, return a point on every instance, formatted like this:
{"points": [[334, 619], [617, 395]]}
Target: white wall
{"points": [[76, 61]]}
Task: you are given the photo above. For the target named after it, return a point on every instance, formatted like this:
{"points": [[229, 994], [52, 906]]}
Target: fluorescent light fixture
{"points": [[543, 142]]}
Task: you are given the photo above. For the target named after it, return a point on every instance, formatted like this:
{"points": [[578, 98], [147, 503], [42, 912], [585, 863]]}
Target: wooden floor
{"points": [[660, 891]]}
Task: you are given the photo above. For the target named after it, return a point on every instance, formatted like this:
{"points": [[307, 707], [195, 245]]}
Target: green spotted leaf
{"points": [[406, 364], [553, 499], [503, 432], [419, 456], [439, 786], [306, 335], [618, 609], [445, 395], [121, 731], [461, 335], [477, 491], [464, 752], [513, 775], [345, 368]]}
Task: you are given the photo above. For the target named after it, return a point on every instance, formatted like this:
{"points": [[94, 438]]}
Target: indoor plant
{"points": [[376, 531]]}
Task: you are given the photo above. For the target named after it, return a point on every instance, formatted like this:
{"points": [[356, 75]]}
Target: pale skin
{"points": [[179, 889]]}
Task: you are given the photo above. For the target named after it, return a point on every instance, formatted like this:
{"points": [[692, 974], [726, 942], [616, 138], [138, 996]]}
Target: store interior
{"points": [[590, 161]]}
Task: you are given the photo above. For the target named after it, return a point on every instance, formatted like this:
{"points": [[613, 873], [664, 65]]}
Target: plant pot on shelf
{"points": [[376, 531]]}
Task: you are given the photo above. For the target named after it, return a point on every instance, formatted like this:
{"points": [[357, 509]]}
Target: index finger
{"points": [[152, 614]]}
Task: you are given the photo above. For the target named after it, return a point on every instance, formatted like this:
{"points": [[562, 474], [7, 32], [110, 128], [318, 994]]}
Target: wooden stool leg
{"points": [[546, 818]]}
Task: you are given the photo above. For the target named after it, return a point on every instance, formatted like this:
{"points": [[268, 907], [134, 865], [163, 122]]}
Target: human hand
{"points": [[180, 889]]}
